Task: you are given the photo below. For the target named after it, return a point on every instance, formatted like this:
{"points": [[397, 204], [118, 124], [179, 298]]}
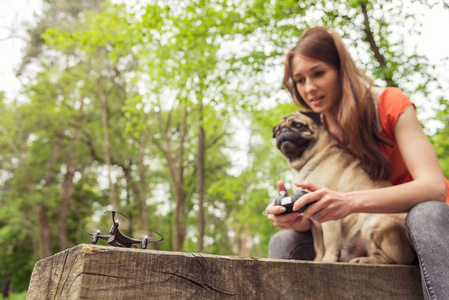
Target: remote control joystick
{"points": [[288, 201]]}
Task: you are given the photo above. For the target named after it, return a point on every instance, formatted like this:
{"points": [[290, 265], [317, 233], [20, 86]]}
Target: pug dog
{"points": [[315, 156]]}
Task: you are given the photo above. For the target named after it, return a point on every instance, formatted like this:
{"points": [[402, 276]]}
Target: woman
{"points": [[382, 131]]}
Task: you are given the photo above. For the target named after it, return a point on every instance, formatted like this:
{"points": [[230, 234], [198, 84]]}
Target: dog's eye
{"points": [[299, 125]]}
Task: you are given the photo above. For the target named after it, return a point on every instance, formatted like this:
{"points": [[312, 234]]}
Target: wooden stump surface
{"points": [[103, 272]]}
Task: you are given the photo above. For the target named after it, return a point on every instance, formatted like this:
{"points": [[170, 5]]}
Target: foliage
{"points": [[440, 140], [15, 296]]}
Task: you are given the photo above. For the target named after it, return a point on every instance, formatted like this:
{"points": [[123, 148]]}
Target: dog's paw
{"points": [[368, 260], [359, 260], [318, 257], [330, 257]]}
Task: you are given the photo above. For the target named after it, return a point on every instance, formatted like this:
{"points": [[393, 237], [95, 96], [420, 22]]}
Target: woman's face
{"points": [[318, 83]]}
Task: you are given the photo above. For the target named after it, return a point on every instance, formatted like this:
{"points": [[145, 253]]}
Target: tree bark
{"points": [[41, 245], [102, 272], [143, 186], [200, 179], [107, 142], [40, 207], [369, 37], [67, 192], [176, 166], [68, 185], [6, 281], [180, 209]]}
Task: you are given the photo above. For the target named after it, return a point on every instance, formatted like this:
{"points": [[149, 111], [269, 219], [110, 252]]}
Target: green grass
{"points": [[15, 296]]}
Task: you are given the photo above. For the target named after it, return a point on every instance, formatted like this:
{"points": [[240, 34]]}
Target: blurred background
{"points": [[163, 110]]}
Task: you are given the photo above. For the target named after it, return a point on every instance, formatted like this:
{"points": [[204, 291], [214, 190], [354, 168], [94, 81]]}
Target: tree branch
{"points": [[369, 37]]}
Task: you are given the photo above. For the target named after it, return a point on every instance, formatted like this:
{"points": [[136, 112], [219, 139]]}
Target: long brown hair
{"points": [[357, 111]]}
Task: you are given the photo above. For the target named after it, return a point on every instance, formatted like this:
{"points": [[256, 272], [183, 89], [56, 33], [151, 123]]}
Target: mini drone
{"points": [[117, 239]]}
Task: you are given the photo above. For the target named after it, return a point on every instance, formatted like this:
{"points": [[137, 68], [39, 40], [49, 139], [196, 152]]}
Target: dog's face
{"points": [[295, 132]]}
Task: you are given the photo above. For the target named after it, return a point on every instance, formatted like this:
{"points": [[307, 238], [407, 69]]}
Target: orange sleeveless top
{"points": [[391, 104]]}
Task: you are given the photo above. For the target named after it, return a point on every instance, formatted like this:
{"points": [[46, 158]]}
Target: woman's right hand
{"points": [[293, 220]]}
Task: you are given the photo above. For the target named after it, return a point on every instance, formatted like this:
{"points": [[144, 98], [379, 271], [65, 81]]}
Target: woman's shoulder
{"points": [[387, 93], [391, 103], [393, 100], [392, 92]]}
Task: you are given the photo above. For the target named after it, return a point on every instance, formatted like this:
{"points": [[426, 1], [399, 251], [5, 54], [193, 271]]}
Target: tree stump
{"points": [[104, 272]]}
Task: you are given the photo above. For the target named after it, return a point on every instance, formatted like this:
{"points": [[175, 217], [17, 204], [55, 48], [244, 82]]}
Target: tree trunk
{"points": [[67, 192], [143, 186], [176, 166], [107, 143], [200, 178], [101, 272], [68, 185], [44, 228], [42, 232], [6, 281], [39, 207], [180, 209]]}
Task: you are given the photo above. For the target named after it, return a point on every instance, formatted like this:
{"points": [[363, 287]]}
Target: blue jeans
{"points": [[291, 244], [427, 227]]}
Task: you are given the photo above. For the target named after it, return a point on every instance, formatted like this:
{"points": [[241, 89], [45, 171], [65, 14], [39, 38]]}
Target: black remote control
{"points": [[288, 201]]}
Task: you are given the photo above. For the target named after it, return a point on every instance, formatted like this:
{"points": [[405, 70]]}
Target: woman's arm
{"points": [[420, 158], [422, 163]]}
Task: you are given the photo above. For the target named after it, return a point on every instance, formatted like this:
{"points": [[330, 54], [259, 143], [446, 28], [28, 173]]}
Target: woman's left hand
{"points": [[330, 205]]}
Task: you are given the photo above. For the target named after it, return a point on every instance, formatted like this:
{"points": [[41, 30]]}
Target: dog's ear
{"points": [[316, 117], [274, 131]]}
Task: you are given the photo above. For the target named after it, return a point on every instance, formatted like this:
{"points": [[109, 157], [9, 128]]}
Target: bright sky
{"points": [[12, 14], [434, 41]]}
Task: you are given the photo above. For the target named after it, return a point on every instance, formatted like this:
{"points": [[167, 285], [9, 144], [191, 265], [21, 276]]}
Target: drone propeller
{"points": [[114, 227], [117, 239], [146, 241], [113, 214], [95, 236]]}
